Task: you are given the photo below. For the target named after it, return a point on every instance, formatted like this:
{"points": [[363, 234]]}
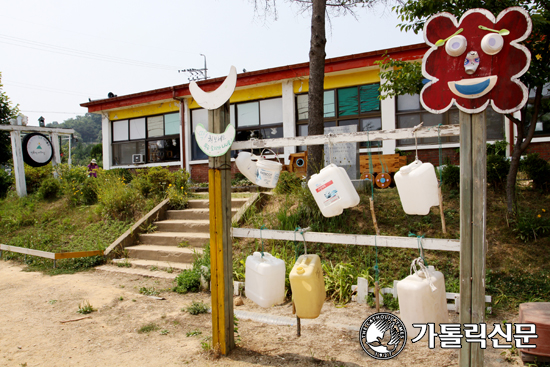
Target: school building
{"points": [[156, 127]]}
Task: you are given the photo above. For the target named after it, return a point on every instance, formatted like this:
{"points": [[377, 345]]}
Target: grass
{"points": [[149, 291], [148, 328], [196, 308], [85, 308]]}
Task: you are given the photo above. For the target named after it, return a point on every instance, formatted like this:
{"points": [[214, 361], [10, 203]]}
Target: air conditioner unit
{"points": [[138, 158]]}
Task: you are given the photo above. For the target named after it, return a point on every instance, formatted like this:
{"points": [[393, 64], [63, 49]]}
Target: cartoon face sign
{"points": [[476, 61]]}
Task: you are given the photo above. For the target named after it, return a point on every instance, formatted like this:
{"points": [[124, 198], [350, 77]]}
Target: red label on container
{"points": [[324, 186]]}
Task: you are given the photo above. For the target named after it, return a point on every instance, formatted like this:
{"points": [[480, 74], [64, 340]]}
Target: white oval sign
{"points": [[37, 150], [214, 145]]}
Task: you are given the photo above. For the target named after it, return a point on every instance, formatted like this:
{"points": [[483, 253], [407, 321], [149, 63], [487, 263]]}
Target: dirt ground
{"points": [[34, 309]]}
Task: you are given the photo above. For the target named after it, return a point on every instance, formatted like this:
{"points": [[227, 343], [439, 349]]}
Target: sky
{"points": [[57, 54]]}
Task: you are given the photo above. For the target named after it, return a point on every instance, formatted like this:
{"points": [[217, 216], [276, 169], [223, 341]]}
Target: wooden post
{"points": [[56, 152], [473, 188], [221, 256], [441, 213], [18, 164]]}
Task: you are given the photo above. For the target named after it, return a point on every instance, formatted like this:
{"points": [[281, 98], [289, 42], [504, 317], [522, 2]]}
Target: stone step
{"points": [[184, 225], [152, 265], [200, 213], [189, 239], [138, 271], [203, 203], [162, 253]]}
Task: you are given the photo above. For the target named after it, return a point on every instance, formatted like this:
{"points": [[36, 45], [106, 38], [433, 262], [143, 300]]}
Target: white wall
{"points": [[289, 116]]}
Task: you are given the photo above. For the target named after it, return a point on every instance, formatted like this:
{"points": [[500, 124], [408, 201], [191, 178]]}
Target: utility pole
{"points": [[197, 74]]}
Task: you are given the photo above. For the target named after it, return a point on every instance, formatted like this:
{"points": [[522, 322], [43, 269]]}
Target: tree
{"points": [[320, 9], [7, 112], [414, 14]]}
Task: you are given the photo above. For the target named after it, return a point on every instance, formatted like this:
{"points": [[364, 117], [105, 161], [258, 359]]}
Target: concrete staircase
{"points": [[176, 239]]}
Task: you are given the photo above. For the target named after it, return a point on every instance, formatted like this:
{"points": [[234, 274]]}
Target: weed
{"points": [[154, 268], [169, 269], [206, 343], [197, 308], [148, 328], [164, 332], [390, 302], [52, 302], [124, 264], [85, 308], [236, 329], [149, 291], [149, 228], [183, 244], [193, 333], [121, 298]]}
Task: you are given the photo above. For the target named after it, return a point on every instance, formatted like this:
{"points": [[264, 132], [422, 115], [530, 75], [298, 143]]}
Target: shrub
{"points": [[498, 148], [196, 308], [35, 175], [178, 198], [5, 183], [156, 180], [538, 170], [497, 170], [529, 226], [288, 183], [451, 176], [116, 199], [188, 280], [50, 188]]}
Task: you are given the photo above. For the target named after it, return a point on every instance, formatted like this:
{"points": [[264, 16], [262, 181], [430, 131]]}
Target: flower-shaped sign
{"points": [[476, 61]]}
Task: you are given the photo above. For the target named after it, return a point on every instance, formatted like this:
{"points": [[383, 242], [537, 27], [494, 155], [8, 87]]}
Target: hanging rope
{"points": [[261, 239], [423, 272], [415, 139], [420, 247], [329, 135]]}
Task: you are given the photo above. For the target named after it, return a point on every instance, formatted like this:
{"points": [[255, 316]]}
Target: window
{"points": [[257, 119], [357, 105], [156, 138], [410, 113]]}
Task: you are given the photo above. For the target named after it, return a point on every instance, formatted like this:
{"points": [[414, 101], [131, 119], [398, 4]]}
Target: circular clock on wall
{"points": [[37, 150]]}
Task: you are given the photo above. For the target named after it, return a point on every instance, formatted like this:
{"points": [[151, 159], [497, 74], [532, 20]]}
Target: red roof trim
{"points": [[411, 52]]}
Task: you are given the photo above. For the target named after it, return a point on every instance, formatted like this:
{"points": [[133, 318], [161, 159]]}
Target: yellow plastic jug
{"points": [[308, 286]]}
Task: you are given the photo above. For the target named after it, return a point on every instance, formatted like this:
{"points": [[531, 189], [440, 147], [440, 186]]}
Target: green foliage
{"points": [[451, 176], [7, 112], [538, 170], [189, 280], [50, 189], [35, 175], [178, 198], [148, 328], [288, 183], [149, 291], [193, 333], [339, 279], [196, 308], [153, 181], [5, 183], [97, 152], [389, 302], [497, 170], [87, 128], [399, 77], [85, 308], [116, 199], [498, 148], [529, 225]]}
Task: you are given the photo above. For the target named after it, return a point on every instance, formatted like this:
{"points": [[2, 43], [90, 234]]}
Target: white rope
{"points": [[423, 272], [415, 139], [329, 135]]}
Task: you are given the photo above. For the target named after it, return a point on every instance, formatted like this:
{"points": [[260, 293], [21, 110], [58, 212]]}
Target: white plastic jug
{"points": [[417, 187], [265, 279], [418, 303], [333, 190], [246, 165], [267, 173], [308, 286]]}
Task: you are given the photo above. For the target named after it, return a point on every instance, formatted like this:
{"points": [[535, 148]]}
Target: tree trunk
{"points": [[520, 146], [316, 84]]}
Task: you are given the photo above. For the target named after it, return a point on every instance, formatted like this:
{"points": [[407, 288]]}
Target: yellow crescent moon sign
{"points": [[213, 100]]}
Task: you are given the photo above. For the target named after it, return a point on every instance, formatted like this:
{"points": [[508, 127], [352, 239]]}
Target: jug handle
{"points": [[422, 272], [276, 155]]}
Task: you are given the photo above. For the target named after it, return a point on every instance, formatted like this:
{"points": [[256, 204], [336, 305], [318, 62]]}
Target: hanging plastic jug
{"points": [[308, 286], [267, 173], [333, 190], [265, 279], [417, 186], [246, 165], [422, 298]]}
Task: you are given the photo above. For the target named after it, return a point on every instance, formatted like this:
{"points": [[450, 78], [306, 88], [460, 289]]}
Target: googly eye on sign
{"points": [[476, 61]]}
